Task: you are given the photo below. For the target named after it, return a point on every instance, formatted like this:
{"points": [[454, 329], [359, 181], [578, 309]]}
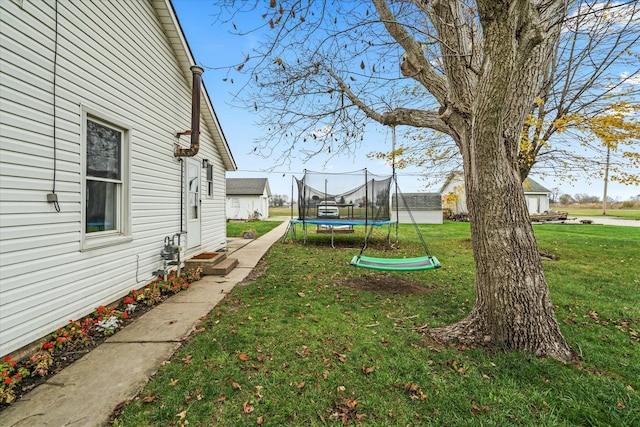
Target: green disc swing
{"points": [[427, 262]]}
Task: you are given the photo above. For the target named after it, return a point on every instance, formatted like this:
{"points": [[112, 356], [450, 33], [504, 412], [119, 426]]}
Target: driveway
{"points": [[604, 220]]}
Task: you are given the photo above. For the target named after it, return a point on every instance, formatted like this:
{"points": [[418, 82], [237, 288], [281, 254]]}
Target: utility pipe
{"points": [[195, 116]]}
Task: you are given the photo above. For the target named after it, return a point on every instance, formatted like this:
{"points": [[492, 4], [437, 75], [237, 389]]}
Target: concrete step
{"points": [[222, 268]]}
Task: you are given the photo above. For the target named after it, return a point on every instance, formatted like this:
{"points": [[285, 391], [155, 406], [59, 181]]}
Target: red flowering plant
{"points": [[173, 284], [84, 333], [192, 275], [75, 333], [12, 375]]}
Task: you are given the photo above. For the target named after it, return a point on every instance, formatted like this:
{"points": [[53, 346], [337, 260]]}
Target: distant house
{"points": [[101, 158], [426, 208], [453, 195], [248, 198]]}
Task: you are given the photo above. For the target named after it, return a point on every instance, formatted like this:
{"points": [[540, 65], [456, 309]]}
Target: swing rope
{"points": [[405, 264]]}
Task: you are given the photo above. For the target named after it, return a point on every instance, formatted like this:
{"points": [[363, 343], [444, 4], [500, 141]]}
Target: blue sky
{"points": [[213, 47]]}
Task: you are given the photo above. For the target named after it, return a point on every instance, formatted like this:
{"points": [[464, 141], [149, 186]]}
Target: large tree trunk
{"points": [[513, 306]]}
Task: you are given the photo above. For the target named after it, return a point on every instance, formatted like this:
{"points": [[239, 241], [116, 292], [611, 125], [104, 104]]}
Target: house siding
{"points": [[421, 208], [115, 58], [536, 196], [243, 207]]}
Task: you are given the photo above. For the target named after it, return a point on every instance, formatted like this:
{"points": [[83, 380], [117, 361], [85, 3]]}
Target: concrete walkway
{"points": [[86, 393]]}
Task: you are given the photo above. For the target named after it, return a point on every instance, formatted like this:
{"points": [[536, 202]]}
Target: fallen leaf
{"points": [[258, 393], [620, 405], [367, 371], [182, 414], [260, 420], [173, 382], [187, 359], [301, 385], [220, 399], [236, 386], [243, 357], [301, 294], [325, 375], [148, 399], [247, 408]]}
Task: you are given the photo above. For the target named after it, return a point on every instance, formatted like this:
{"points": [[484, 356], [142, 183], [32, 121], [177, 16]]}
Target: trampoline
{"points": [[332, 224]]}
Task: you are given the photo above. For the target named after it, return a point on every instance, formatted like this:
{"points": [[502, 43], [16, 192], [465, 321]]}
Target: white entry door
{"points": [[192, 201]]}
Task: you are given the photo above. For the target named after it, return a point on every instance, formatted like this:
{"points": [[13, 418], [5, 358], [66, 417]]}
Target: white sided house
{"points": [[102, 160], [248, 198], [453, 195]]}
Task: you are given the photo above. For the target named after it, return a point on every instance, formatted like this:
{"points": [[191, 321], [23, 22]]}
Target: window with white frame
{"points": [[210, 181], [106, 184]]}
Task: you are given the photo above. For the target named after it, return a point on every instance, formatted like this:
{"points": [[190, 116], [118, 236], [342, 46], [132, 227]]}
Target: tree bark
{"points": [[513, 307]]}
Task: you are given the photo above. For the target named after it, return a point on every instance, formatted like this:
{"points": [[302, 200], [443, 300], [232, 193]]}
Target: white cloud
{"points": [[633, 80], [590, 16]]}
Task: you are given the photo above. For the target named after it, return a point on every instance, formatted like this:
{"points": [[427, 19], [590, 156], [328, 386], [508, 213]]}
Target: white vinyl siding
{"points": [[116, 63], [243, 207]]}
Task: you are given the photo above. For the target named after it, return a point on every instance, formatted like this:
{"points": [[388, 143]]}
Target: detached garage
{"points": [[248, 198], [426, 208]]}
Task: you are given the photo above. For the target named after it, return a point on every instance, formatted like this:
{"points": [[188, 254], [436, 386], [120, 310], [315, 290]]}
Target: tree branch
{"points": [[415, 65], [397, 116]]}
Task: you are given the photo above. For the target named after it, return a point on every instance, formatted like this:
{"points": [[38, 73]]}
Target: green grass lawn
{"points": [[314, 341], [235, 229]]}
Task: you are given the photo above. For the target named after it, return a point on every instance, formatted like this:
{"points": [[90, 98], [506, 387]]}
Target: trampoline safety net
{"points": [[358, 195]]}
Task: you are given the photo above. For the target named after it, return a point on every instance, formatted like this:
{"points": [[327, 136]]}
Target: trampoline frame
{"points": [[331, 223]]}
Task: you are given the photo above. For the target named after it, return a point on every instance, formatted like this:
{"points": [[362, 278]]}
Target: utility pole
{"points": [[606, 181]]}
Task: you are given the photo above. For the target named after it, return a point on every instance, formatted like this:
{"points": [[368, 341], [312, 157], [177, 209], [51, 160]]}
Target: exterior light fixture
{"points": [[205, 163]]}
